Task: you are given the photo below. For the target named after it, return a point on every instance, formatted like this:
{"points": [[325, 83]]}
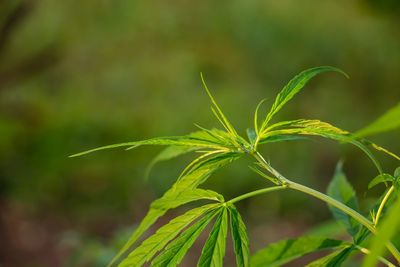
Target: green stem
{"points": [[339, 205], [382, 205], [381, 259], [256, 192]]}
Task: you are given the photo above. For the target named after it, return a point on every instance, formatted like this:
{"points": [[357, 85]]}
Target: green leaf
{"points": [[200, 139], [386, 230], [213, 251], [381, 178], [176, 199], [251, 134], [293, 87], [317, 128], [166, 233], [287, 250], [180, 193], [281, 138], [173, 254], [334, 259], [240, 238], [388, 121], [341, 190], [397, 173], [218, 112], [256, 115], [167, 154]]}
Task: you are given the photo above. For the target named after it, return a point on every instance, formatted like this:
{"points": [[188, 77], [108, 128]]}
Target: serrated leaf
{"points": [[388, 121], [196, 140], [381, 178], [175, 197], [213, 251], [293, 87], [166, 233], [217, 110], [173, 254], [341, 190], [284, 251], [281, 138], [317, 128], [186, 196], [386, 230], [334, 259], [240, 238]]}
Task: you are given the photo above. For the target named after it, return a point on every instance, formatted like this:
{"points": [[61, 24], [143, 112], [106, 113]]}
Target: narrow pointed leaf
{"points": [[179, 194], [217, 110], [317, 128], [240, 238], [195, 140], [256, 115], [285, 251], [173, 254], [166, 233], [213, 251], [381, 178], [341, 190], [388, 121], [293, 87], [282, 138], [334, 259]]}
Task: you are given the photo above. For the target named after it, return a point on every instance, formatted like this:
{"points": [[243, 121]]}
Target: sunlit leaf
{"points": [[388, 121], [193, 140], [240, 238], [281, 138], [172, 255], [180, 193], [218, 112], [213, 251], [285, 251], [317, 128], [166, 233], [293, 87], [341, 190]]}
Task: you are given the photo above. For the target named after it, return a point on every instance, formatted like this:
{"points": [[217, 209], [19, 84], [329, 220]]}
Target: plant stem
{"points": [[256, 192], [381, 259], [333, 202], [382, 205], [327, 199]]}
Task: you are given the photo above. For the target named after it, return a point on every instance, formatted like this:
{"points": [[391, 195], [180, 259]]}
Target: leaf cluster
{"points": [[217, 148]]}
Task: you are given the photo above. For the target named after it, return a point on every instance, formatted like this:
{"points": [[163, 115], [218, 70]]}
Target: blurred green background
{"points": [[80, 74]]}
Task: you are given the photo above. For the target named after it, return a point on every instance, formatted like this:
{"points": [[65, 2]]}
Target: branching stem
{"points": [[286, 183]]}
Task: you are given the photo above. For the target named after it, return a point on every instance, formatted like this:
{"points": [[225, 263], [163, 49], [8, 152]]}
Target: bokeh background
{"points": [[80, 74]]}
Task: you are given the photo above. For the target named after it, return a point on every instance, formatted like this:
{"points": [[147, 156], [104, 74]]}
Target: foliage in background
{"points": [[86, 73]]}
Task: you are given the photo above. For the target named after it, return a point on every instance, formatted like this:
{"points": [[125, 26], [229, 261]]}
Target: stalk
{"points": [[327, 199], [256, 192], [381, 259], [382, 205]]}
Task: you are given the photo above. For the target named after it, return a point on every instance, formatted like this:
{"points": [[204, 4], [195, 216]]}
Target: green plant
{"points": [[218, 148]]}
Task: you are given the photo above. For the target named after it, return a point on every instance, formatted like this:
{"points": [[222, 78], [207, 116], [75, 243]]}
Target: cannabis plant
{"points": [[217, 148]]}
